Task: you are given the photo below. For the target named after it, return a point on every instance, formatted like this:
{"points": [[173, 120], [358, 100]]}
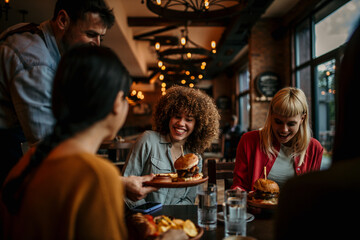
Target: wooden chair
{"points": [[220, 170], [117, 151]]}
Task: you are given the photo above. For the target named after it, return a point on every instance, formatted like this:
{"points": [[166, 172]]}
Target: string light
{"points": [[206, 4], [157, 46], [183, 41]]}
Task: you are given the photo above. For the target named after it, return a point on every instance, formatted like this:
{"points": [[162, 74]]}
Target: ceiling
{"points": [[134, 19]]}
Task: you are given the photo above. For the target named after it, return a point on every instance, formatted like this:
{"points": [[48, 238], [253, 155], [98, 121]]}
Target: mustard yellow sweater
{"points": [[74, 197]]}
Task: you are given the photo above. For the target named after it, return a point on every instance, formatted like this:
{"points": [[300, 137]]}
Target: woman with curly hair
{"points": [[284, 145], [184, 118]]}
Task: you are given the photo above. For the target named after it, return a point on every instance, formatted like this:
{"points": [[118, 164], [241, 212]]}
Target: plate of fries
{"points": [[165, 223]]}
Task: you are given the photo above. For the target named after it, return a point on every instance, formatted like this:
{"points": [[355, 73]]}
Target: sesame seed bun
{"points": [[266, 185], [187, 161]]}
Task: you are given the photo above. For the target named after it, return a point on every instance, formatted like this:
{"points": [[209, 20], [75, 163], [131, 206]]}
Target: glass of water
{"points": [[234, 208], [207, 208]]}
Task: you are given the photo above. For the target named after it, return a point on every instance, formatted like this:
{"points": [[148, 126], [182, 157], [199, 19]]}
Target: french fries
{"points": [[172, 175], [190, 229], [164, 223]]}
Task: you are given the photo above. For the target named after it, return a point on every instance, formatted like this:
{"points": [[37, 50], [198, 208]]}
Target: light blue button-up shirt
{"points": [[27, 68], [151, 154]]}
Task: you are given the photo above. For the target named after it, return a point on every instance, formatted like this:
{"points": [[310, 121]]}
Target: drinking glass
{"points": [[207, 208], [234, 208]]}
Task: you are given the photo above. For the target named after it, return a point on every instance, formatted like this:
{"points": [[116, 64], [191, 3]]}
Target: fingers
{"points": [[149, 177], [135, 189], [148, 190]]}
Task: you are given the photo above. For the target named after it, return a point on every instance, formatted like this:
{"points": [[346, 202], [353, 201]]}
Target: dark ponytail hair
{"points": [[86, 84]]}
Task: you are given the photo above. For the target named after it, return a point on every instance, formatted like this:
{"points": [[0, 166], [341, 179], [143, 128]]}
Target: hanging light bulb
{"points": [[183, 81], [200, 76], [133, 93], [203, 65], [187, 72], [183, 41], [188, 55], [213, 47], [161, 77], [163, 67], [191, 85], [157, 46], [160, 64], [158, 2], [206, 4], [139, 94]]}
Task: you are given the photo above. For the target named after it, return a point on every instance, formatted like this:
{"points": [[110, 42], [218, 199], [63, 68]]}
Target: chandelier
{"points": [[184, 64], [195, 9], [188, 53]]}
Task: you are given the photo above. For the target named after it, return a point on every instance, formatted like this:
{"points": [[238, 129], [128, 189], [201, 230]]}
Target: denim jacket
{"points": [[151, 154], [28, 63]]}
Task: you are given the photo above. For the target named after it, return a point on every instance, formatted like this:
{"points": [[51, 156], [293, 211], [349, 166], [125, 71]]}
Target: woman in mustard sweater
{"points": [[60, 189]]}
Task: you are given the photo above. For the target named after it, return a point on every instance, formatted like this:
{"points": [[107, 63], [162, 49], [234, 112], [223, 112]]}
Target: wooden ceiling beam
{"points": [[157, 21]]}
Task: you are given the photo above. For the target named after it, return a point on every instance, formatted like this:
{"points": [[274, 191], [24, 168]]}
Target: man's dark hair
{"points": [[76, 10]]}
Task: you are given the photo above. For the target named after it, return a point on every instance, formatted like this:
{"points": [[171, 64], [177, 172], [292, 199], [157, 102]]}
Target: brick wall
{"points": [[267, 52]]}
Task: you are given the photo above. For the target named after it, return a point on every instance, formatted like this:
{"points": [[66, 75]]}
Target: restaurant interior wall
{"points": [[270, 49], [224, 88], [139, 117], [267, 53]]}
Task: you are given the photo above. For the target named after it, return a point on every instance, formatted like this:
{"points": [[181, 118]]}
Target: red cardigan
{"points": [[251, 160]]}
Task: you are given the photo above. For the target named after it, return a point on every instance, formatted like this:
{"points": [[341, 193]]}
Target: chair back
{"points": [[221, 170], [117, 151]]}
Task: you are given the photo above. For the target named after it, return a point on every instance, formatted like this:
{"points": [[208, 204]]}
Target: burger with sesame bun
{"points": [[266, 192], [187, 168]]}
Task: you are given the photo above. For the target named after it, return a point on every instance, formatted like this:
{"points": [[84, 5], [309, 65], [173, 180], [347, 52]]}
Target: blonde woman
{"points": [[284, 145]]}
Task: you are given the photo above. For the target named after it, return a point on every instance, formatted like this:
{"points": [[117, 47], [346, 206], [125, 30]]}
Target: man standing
{"points": [[29, 55]]}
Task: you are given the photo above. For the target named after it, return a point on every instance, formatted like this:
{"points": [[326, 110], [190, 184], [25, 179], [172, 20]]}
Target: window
{"points": [[319, 41], [244, 100], [325, 78]]}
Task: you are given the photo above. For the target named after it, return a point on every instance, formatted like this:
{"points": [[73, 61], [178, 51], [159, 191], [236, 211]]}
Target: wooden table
{"points": [[261, 228]]}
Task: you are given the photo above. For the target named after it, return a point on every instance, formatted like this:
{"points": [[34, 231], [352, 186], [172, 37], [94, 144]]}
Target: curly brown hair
{"points": [[196, 103]]}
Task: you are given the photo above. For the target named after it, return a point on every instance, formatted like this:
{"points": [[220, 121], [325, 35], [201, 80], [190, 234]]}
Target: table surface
{"points": [[261, 228]]}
